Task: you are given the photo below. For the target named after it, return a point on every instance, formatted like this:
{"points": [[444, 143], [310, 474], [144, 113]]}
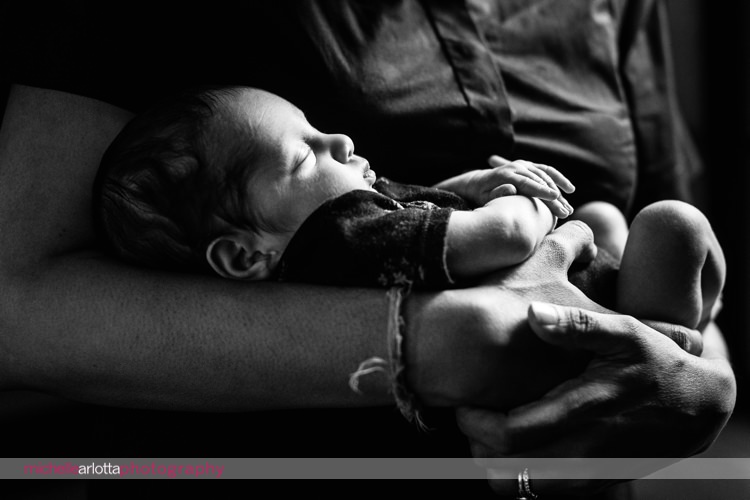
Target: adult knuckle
{"points": [[583, 321], [631, 326], [582, 227], [679, 336], [553, 250], [634, 330]]}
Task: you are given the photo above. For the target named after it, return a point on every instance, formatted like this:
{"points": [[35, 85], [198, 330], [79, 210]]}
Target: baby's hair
{"points": [[173, 179]]}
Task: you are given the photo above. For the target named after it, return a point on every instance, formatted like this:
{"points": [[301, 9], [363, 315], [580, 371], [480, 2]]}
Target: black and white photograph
{"points": [[499, 247]]}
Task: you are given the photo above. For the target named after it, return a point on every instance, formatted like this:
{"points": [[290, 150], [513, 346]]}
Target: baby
{"points": [[235, 181]]}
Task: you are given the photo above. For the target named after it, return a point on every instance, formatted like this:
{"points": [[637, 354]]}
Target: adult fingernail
{"points": [[544, 313]]}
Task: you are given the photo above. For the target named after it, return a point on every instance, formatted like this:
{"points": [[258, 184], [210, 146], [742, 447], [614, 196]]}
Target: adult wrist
{"points": [[439, 330]]}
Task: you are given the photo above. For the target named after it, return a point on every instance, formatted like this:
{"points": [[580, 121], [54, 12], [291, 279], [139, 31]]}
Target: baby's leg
{"points": [[607, 223], [673, 267]]}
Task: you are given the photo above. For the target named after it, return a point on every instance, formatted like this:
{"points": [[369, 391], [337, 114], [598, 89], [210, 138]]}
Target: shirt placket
{"points": [[476, 74]]}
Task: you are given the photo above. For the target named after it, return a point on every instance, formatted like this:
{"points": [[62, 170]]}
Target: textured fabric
{"points": [[393, 237]]}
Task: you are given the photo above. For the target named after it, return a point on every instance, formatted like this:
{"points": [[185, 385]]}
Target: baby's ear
{"points": [[235, 256]]}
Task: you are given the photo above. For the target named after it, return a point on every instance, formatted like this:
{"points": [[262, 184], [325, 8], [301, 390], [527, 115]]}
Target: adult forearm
{"points": [[98, 331], [92, 330]]}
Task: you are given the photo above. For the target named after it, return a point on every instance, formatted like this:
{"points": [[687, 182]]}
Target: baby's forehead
{"points": [[259, 104], [239, 108], [261, 114]]}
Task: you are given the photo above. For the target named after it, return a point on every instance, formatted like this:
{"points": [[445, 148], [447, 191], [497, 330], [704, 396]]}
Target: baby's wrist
{"points": [[480, 187]]}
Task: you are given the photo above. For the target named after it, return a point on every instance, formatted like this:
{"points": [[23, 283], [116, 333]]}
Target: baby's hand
{"points": [[522, 177]]}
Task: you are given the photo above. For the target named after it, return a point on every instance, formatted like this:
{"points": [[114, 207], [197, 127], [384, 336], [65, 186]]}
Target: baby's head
{"points": [[220, 180]]}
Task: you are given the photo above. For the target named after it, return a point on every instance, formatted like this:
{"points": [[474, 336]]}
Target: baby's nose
{"points": [[342, 147]]}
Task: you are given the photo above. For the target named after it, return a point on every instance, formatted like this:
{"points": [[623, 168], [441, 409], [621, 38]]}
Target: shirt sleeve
{"points": [[411, 193], [364, 238]]}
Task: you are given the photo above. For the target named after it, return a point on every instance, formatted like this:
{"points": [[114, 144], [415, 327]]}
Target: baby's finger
{"points": [[544, 176], [502, 190], [558, 178], [558, 209], [498, 161], [530, 184], [565, 203]]}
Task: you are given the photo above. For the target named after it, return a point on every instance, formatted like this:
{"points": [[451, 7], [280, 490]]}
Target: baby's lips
{"points": [[367, 172]]}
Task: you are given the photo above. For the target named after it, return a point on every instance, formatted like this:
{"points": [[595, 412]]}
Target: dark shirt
{"points": [[395, 235]]}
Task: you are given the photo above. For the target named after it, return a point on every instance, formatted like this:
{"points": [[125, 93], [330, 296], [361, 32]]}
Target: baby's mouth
{"points": [[368, 173]]}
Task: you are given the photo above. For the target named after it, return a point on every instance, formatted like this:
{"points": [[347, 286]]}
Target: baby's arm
{"points": [[502, 233], [513, 177]]}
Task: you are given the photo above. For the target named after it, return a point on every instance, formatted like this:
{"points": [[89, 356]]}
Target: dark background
{"points": [[711, 46]]}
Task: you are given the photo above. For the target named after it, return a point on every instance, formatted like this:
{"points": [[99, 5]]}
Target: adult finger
{"points": [[569, 243], [481, 425], [625, 372], [484, 430], [579, 329], [602, 333], [617, 343], [689, 340], [530, 425]]}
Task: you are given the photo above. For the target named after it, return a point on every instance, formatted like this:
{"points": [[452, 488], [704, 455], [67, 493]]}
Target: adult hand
{"points": [[474, 345], [640, 396]]}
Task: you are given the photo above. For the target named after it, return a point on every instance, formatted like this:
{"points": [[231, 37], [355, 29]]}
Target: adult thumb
{"points": [[580, 329]]}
